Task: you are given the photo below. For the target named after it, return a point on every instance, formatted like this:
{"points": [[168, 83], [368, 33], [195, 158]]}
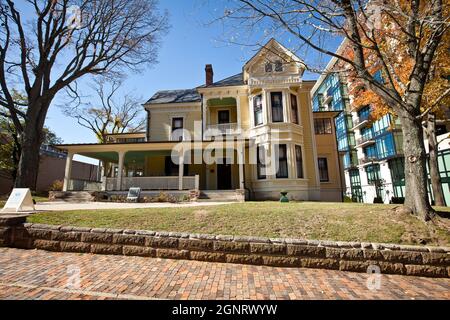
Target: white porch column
{"points": [[180, 171], [266, 106], [238, 112], [204, 116], [103, 174], [241, 159], [286, 106], [68, 171], [120, 170]]}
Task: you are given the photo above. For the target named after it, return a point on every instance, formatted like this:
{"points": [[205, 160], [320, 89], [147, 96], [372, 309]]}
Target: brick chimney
{"points": [[209, 75]]}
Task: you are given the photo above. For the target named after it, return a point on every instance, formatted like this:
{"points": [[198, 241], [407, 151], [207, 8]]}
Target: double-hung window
{"points": [[277, 106], [257, 110], [299, 161], [294, 109], [281, 156], [278, 66], [261, 162], [323, 169], [177, 129]]}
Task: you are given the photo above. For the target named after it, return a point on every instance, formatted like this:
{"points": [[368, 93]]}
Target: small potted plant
{"points": [[284, 197]]}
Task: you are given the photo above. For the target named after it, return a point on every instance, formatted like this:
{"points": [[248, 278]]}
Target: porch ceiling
{"points": [[130, 156], [139, 156], [216, 102], [103, 156]]}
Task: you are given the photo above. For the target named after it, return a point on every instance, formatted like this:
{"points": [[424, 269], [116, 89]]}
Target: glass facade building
{"points": [[371, 149]]}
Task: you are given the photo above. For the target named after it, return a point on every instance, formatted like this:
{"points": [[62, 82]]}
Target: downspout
{"points": [[147, 128]]}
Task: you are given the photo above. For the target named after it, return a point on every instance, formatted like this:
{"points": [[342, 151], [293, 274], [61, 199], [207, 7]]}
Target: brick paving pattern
{"points": [[35, 274]]}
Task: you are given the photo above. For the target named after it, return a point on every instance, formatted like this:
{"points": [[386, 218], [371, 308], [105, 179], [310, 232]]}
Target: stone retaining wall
{"points": [[347, 256]]}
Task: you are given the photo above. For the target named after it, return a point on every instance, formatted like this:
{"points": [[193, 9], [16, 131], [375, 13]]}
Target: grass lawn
{"points": [[308, 220]]}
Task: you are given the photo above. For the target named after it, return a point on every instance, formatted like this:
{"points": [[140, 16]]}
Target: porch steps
{"points": [[217, 196], [73, 196]]}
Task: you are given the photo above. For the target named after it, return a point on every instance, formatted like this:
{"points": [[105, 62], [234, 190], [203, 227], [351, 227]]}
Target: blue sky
{"points": [[189, 45]]}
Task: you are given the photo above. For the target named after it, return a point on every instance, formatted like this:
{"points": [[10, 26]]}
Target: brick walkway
{"points": [[33, 274]]}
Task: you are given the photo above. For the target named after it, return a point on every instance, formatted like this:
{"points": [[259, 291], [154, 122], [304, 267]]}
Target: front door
{"points": [[224, 176]]}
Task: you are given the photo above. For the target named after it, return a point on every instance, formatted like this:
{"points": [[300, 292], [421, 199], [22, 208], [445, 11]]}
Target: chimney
{"points": [[209, 75]]}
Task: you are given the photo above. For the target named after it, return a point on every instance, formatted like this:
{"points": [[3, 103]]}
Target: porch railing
{"points": [[83, 185], [154, 183]]}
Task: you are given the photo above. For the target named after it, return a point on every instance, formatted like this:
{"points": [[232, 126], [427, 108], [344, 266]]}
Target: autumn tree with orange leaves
{"points": [[435, 102], [401, 38]]}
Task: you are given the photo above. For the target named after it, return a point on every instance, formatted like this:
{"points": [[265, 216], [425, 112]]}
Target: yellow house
{"points": [[253, 135]]}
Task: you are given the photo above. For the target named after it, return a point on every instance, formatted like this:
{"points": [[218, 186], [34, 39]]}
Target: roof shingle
{"points": [[191, 95], [175, 96], [236, 80]]}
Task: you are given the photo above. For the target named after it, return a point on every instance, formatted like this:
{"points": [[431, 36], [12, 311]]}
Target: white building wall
{"points": [[385, 174]]}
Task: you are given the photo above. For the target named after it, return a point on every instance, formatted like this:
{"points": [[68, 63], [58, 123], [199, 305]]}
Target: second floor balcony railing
{"points": [[368, 159], [365, 140], [274, 80], [222, 129], [360, 121]]}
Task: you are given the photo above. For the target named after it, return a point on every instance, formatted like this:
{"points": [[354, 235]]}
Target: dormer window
{"points": [[278, 66], [268, 67]]}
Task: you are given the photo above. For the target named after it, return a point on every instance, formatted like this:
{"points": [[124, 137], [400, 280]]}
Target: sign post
{"points": [[19, 200], [133, 194]]}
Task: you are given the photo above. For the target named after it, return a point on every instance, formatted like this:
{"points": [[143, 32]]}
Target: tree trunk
{"points": [[416, 197], [29, 159], [31, 140], [433, 161]]}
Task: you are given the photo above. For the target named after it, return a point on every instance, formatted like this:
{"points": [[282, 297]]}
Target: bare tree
{"points": [[377, 34], [64, 41], [106, 114]]}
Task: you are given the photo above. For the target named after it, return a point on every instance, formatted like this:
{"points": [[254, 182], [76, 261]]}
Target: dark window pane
{"points": [[281, 155], [373, 174], [278, 66], [299, 160], [260, 154], [277, 106], [268, 67], [323, 169], [322, 126], [294, 109], [224, 116]]}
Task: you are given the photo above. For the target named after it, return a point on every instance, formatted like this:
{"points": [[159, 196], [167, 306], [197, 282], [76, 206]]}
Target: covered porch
{"points": [[155, 166]]}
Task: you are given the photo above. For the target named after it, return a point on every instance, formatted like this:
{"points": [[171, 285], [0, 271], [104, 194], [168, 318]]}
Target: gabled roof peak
{"points": [[268, 47]]}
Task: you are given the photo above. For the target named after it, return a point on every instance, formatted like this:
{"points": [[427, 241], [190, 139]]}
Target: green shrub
{"points": [[185, 198], [57, 185], [347, 199]]}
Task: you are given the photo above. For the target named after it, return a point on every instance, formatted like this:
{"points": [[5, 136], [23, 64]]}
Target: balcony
{"points": [[360, 122], [351, 165], [367, 160], [364, 141], [222, 129], [274, 80]]}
